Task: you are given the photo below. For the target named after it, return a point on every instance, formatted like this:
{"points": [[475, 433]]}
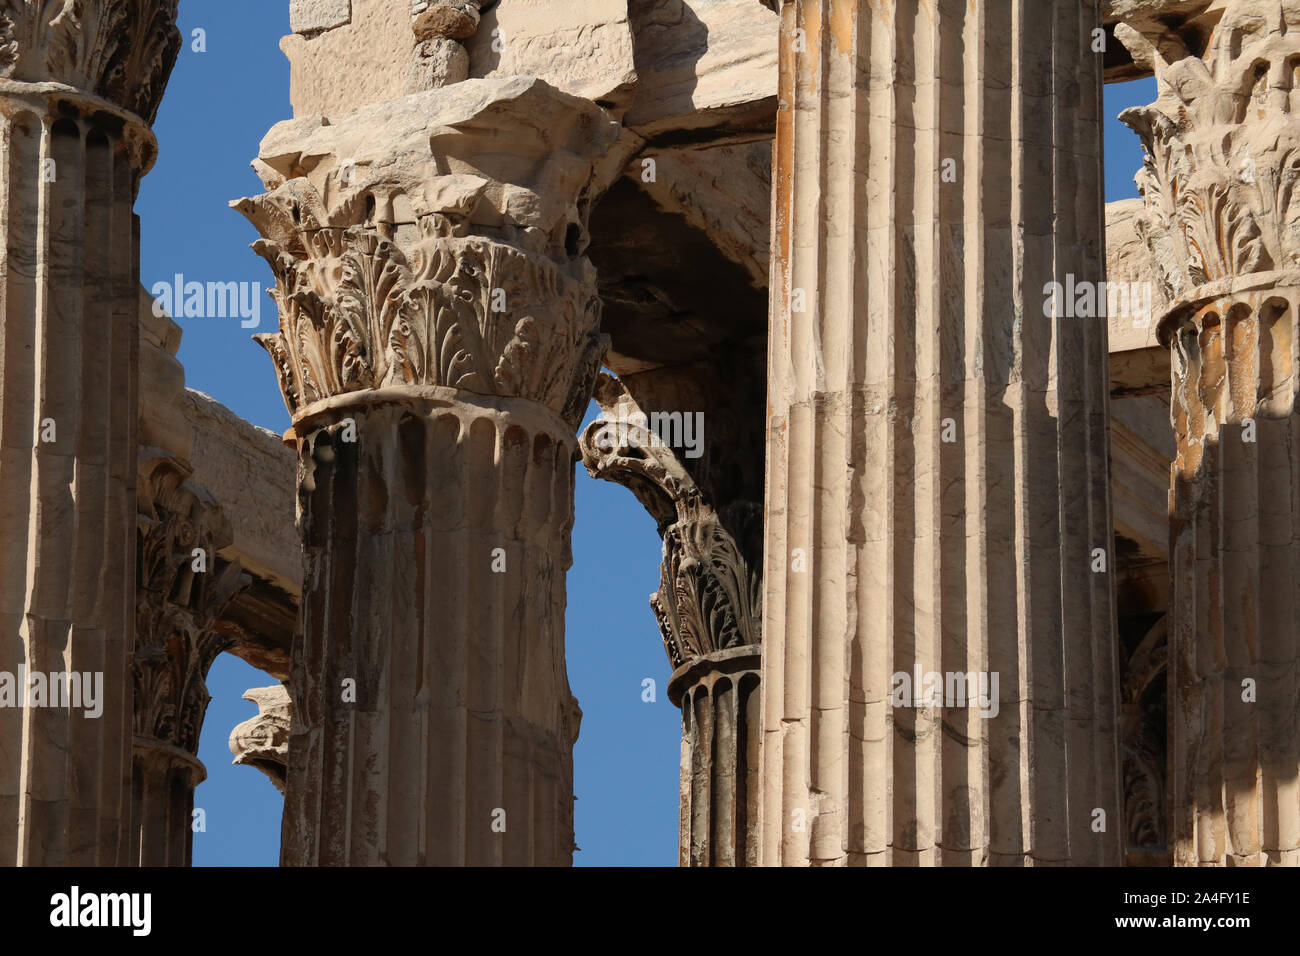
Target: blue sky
{"points": [[218, 106]]}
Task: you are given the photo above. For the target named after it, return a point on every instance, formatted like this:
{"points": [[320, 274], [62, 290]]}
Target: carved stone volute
{"points": [[262, 741], [710, 593]]}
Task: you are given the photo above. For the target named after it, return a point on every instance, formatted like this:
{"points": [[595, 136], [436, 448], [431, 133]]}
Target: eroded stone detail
{"points": [[1143, 722], [426, 317], [937, 456], [710, 594], [454, 19], [121, 50], [263, 741], [708, 607], [440, 26], [183, 586], [313, 16], [1223, 149], [400, 273], [80, 82]]}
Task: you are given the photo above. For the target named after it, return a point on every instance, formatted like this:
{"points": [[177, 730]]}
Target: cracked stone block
{"points": [[313, 16]]}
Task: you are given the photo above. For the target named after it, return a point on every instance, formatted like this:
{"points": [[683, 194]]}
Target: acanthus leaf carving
{"points": [[429, 256], [359, 312], [178, 608], [710, 593], [1222, 145], [121, 50]]}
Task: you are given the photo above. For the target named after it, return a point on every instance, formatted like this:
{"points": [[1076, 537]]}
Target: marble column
{"points": [[937, 487], [438, 343], [1221, 221], [708, 607], [79, 87]]}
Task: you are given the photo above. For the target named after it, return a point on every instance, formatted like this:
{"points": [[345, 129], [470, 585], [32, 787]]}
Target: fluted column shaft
{"points": [[163, 780], [436, 547], [1235, 507], [937, 460], [721, 734], [75, 110]]}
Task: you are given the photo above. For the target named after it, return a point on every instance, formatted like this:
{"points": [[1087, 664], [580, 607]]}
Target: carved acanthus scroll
{"points": [[263, 741], [121, 50], [709, 596], [392, 270]]}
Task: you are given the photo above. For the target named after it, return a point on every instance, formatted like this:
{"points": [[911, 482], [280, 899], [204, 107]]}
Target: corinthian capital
{"points": [[182, 588], [1221, 216], [120, 50], [1222, 146], [710, 588], [437, 240]]}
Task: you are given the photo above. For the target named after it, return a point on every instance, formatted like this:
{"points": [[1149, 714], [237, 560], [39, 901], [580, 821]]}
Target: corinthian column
{"points": [[937, 499], [1222, 224], [79, 86], [438, 343], [708, 609]]}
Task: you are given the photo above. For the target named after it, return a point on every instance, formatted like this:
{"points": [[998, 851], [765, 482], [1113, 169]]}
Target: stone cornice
{"points": [[120, 50]]}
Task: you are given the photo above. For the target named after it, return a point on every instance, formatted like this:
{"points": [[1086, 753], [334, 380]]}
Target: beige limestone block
{"points": [[586, 49], [703, 63], [162, 380], [724, 191], [253, 474], [368, 59], [312, 16], [439, 62]]}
